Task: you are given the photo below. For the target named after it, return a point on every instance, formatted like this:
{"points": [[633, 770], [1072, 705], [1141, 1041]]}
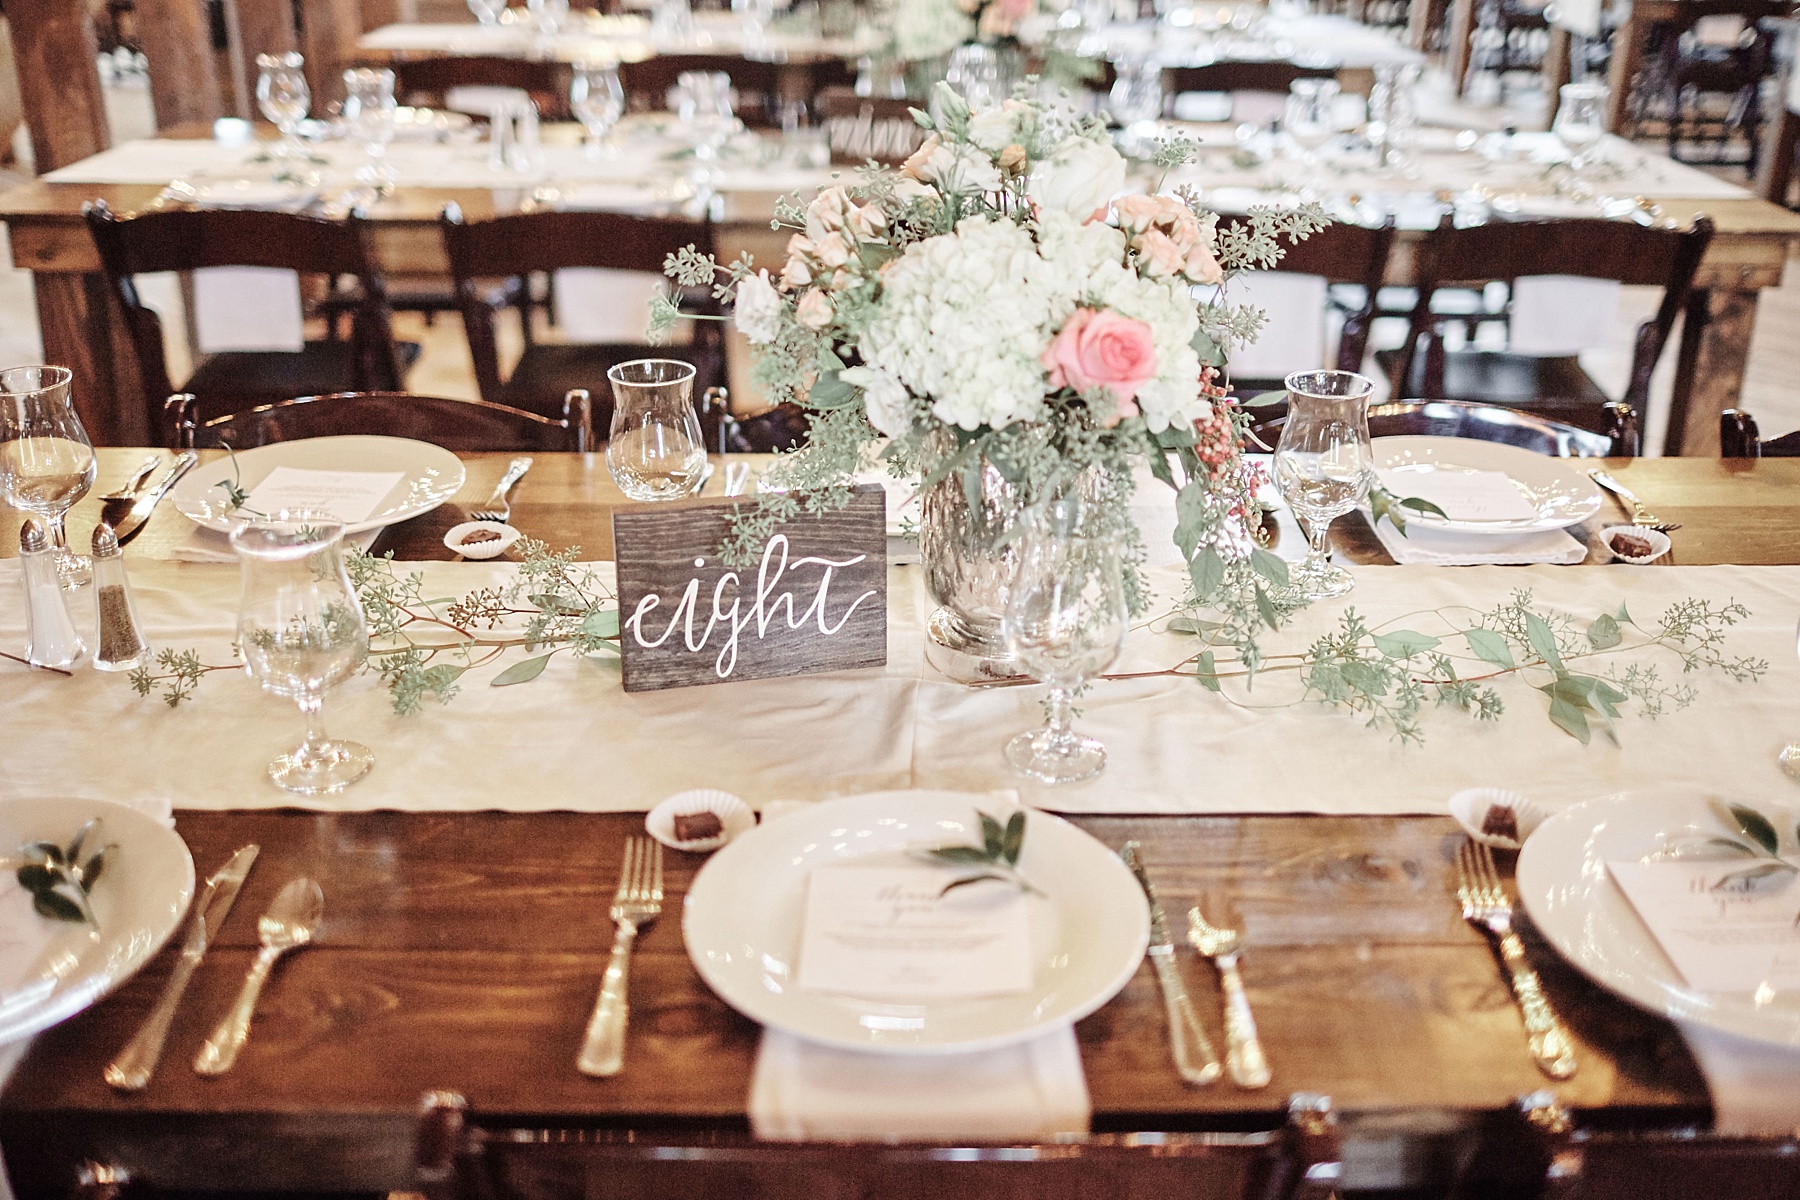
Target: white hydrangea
{"points": [[964, 322], [927, 28], [885, 399]]}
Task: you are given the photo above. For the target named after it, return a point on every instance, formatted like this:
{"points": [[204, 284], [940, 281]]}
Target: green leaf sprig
{"points": [[59, 879], [1383, 503], [1752, 838], [997, 856]]}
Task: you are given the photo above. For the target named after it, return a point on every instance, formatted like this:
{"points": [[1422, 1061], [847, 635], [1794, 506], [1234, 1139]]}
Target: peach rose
{"points": [[1013, 159], [814, 310], [1161, 257], [914, 166], [795, 274], [1099, 350]]}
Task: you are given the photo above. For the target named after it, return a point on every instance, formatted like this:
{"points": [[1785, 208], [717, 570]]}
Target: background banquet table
{"points": [[462, 950]]}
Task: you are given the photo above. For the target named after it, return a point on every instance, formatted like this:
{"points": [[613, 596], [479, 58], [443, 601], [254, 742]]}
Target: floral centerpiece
{"points": [[1008, 332]]}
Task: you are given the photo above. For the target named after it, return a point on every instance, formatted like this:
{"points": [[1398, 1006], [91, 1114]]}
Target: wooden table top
{"points": [[463, 951]]}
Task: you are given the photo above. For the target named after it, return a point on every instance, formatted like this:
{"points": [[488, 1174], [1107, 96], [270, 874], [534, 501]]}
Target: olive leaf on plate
{"points": [[59, 878], [997, 856]]}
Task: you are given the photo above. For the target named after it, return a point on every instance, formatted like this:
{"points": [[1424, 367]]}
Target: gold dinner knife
{"points": [[1187, 1038], [132, 1069]]}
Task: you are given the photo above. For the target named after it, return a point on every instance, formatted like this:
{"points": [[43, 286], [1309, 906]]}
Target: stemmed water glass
{"points": [[598, 101], [655, 451], [1310, 117], [1789, 758], [283, 96], [301, 631], [369, 114], [1324, 467], [46, 460], [487, 12], [1065, 623], [753, 19], [548, 16], [1581, 120]]}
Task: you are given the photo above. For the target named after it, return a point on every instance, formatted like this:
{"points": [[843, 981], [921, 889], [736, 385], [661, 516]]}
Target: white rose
{"points": [[886, 401], [960, 169], [1080, 177], [758, 311], [993, 129]]}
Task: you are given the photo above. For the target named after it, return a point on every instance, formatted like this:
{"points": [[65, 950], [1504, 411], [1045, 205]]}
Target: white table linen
{"points": [[1424, 545], [1755, 1087]]}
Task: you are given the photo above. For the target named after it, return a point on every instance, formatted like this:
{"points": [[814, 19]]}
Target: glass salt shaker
{"points": [[121, 645], [49, 633]]}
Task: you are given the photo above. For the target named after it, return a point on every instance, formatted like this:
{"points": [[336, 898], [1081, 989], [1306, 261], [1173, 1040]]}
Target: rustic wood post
{"points": [[184, 78], [54, 44], [330, 29]]}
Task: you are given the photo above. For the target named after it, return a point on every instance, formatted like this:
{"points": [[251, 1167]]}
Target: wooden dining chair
{"points": [[782, 427], [756, 82], [864, 128], [187, 240], [511, 247], [1352, 260], [1274, 76], [1740, 438], [459, 425], [1554, 386], [460, 1156], [426, 80]]}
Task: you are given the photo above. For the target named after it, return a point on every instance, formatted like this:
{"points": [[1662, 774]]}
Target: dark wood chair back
{"points": [[861, 128], [784, 427], [460, 425], [1590, 247], [757, 83], [461, 1158], [526, 243], [1343, 253], [190, 239], [1740, 438], [1270, 76], [427, 79], [1488, 423]]}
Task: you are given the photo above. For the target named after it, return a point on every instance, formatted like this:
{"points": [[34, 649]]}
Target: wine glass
{"points": [[1789, 758], [753, 19], [369, 114], [655, 451], [1581, 120], [283, 96], [46, 460], [1065, 623], [1324, 467], [598, 101], [301, 631], [1310, 117], [487, 12], [548, 16]]}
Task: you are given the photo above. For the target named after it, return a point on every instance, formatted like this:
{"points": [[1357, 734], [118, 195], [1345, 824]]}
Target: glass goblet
{"points": [[655, 451], [283, 96], [1789, 758], [301, 631], [598, 100], [1324, 467], [1065, 623], [1310, 117], [1581, 120], [46, 460]]}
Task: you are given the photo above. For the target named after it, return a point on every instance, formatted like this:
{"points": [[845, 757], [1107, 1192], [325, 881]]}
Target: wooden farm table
{"points": [[462, 952]]}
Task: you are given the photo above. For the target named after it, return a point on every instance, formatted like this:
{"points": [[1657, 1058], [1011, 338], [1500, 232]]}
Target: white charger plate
{"points": [[1561, 495], [1571, 896], [743, 916], [431, 475], [138, 901]]}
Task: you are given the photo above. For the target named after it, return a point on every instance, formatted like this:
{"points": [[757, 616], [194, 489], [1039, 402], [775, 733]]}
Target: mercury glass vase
{"points": [[969, 566]]}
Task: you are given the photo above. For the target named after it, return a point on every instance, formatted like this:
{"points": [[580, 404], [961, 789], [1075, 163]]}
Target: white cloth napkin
{"points": [[1561, 314], [1033, 1090], [248, 308], [1294, 337], [210, 546], [1423, 545], [598, 304], [1755, 1086]]}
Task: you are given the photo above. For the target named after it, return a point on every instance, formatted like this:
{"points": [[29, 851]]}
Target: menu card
{"points": [[1723, 935], [350, 496], [889, 932], [1463, 495]]}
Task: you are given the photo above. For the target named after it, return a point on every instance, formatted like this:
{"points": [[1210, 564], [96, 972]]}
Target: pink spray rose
{"points": [[1101, 350]]}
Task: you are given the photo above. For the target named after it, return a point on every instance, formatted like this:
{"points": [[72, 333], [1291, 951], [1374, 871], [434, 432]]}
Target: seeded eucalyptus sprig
{"points": [[997, 856], [59, 880]]}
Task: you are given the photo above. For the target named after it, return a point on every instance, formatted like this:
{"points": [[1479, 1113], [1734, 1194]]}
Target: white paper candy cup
{"points": [[733, 814], [491, 548], [1470, 807], [1659, 543]]}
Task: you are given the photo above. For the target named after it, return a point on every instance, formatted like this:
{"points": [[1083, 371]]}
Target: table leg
{"points": [[1462, 31], [1709, 374], [1627, 57], [1777, 170], [1556, 71], [81, 330]]}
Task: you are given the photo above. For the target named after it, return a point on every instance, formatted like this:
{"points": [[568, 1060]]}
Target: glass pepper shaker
{"points": [[121, 644], [49, 633]]}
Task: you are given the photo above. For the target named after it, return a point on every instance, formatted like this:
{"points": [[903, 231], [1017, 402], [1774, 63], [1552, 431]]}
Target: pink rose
{"points": [[1017, 9], [1101, 350], [814, 310]]}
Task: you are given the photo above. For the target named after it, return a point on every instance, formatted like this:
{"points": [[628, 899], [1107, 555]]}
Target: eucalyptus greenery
{"points": [[997, 858], [59, 878], [1752, 838]]}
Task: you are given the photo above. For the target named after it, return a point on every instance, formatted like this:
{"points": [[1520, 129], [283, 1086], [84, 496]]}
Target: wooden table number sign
{"points": [[814, 599]]}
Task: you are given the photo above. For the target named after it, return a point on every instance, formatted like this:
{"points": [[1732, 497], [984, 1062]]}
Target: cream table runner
{"points": [[572, 740]]}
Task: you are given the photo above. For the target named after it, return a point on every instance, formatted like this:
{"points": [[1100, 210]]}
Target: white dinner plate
{"points": [[431, 475], [1565, 886], [743, 915], [54, 969], [1559, 493]]}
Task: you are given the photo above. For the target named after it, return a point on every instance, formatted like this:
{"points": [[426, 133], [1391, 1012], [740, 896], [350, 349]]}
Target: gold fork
{"points": [[1485, 906], [637, 903]]}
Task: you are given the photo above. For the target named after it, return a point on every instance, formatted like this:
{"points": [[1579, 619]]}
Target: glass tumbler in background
{"points": [[369, 115], [301, 632], [597, 99], [1324, 467], [1065, 623], [655, 451], [46, 460], [1581, 120], [283, 96]]}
